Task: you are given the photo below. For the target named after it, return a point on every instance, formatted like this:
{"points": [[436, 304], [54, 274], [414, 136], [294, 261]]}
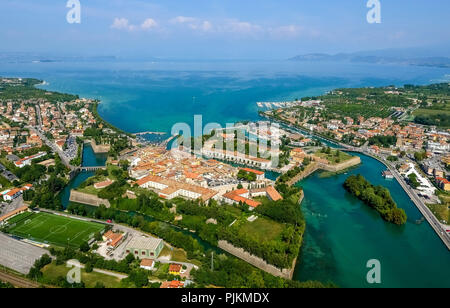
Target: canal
{"points": [[342, 233], [91, 159]]}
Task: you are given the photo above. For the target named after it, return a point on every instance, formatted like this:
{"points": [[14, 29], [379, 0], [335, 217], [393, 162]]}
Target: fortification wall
{"points": [[256, 261], [79, 197]]}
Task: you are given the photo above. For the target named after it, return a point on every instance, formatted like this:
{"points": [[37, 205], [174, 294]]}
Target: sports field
{"points": [[53, 229]]}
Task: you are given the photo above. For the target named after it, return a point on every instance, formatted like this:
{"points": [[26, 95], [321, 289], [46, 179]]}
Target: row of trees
{"points": [[246, 176], [383, 141], [377, 197], [228, 271]]}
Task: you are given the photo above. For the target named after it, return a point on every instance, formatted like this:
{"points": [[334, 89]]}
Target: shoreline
{"points": [[95, 109], [423, 208]]}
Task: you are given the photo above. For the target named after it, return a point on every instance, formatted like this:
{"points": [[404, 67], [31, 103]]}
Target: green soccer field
{"points": [[53, 229]]}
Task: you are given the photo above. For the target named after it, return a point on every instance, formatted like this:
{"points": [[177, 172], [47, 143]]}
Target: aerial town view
{"points": [[204, 148]]}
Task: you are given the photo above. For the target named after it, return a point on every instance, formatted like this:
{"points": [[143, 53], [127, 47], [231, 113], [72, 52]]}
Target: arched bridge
{"points": [[84, 169]]}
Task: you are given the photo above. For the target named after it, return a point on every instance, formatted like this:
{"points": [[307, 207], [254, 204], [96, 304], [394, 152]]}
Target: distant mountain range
{"points": [[433, 61]]}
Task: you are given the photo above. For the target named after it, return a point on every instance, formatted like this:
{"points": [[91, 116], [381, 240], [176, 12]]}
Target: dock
{"points": [[149, 133]]}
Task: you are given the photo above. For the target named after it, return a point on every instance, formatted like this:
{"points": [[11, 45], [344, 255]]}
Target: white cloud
{"points": [[193, 23], [234, 27], [122, 24], [149, 23], [243, 27], [183, 19]]}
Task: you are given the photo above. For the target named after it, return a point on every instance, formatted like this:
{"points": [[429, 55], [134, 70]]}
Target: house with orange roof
{"points": [[175, 269], [147, 264], [113, 239], [12, 194], [169, 189], [240, 196], [269, 192], [260, 175], [443, 184], [273, 194], [175, 284], [103, 184]]}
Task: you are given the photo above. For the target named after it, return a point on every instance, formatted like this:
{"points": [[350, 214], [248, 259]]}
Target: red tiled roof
{"points": [[147, 262], [257, 172], [236, 196], [21, 209], [175, 268], [273, 193]]}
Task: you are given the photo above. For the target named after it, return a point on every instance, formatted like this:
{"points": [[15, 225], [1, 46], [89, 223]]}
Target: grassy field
{"points": [[442, 211], [89, 190], [263, 229], [53, 271], [422, 111], [53, 229], [333, 158]]}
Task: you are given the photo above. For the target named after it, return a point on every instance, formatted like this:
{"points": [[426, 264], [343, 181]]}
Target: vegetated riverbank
{"points": [[377, 197]]}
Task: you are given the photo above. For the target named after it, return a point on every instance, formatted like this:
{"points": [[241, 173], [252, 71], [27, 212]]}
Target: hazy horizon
{"points": [[214, 29]]}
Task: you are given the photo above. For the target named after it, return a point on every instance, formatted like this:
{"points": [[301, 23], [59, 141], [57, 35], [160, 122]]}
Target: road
{"points": [[426, 212], [54, 148], [117, 275]]}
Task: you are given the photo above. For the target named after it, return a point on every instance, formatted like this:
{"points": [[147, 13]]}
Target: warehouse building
{"points": [[145, 247]]}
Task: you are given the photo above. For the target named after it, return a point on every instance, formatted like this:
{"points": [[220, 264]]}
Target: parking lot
{"points": [[72, 148], [18, 255]]}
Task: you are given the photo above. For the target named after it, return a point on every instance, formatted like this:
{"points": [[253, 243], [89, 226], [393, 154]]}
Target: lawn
{"points": [[442, 211], [89, 190], [263, 229], [53, 271], [332, 158], [54, 229]]}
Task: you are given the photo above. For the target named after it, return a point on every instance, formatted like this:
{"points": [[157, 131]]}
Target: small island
{"points": [[377, 197]]}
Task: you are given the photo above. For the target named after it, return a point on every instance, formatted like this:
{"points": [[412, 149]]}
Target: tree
{"points": [[85, 247], [89, 267], [139, 278]]}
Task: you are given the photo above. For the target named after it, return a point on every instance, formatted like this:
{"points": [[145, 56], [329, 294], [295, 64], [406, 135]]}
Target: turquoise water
{"points": [[342, 234], [142, 96], [90, 159]]}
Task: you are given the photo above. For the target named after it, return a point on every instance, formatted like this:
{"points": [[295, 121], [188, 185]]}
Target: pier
{"points": [[149, 133]]}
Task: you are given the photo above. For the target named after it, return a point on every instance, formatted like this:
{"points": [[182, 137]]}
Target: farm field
{"points": [[53, 229]]}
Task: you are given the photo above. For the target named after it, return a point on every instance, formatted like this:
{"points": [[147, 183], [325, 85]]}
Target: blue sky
{"points": [[220, 28]]}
